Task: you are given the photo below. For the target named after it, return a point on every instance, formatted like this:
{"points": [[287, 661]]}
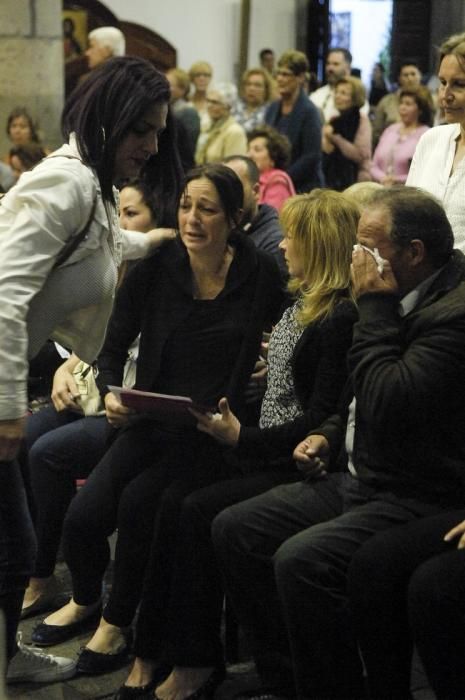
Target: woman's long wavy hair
{"points": [[323, 227]]}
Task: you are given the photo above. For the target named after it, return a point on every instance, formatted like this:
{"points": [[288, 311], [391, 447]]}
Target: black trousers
{"points": [[285, 556], [406, 587], [17, 548], [124, 492], [180, 612]]}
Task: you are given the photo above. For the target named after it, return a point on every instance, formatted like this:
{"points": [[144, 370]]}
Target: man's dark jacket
{"points": [[408, 376]]}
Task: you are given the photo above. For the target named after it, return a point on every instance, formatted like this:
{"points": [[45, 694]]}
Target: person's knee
{"points": [[44, 455], [285, 566], [196, 512], [80, 520], [225, 530], [362, 569], [428, 588]]}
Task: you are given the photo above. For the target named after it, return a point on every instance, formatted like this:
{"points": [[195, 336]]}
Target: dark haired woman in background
{"points": [[60, 247], [23, 158], [395, 149], [21, 128], [271, 152], [200, 306]]}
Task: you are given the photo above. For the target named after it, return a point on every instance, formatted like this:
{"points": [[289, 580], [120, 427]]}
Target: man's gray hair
{"points": [[110, 37], [228, 92]]}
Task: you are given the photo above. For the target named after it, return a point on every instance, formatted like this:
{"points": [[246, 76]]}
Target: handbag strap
{"points": [[71, 245]]}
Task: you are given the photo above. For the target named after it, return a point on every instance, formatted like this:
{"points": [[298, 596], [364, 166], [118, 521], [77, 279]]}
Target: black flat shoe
{"points": [[44, 603], [47, 635], [96, 663], [207, 690], [138, 692], [143, 692]]}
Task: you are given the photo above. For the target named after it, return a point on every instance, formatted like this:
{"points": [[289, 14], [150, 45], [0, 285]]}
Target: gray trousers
{"points": [[284, 556]]}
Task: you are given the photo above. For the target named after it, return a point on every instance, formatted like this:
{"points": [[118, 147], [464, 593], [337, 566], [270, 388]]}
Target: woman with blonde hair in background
{"points": [[438, 164], [200, 75], [346, 142], [256, 92]]}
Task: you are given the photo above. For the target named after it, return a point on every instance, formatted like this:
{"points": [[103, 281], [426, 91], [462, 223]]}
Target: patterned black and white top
{"points": [[280, 403]]}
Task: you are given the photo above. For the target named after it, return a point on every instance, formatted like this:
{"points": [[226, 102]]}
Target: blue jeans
{"points": [[62, 447], [17, 548]]}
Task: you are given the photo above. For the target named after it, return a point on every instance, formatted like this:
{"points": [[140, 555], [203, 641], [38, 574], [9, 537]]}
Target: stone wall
{"points": [[31, 65]]}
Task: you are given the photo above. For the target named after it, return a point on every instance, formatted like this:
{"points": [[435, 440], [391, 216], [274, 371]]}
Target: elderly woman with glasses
{"points": [[225, 137]]}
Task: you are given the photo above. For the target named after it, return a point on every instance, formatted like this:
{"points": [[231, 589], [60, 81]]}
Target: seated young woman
{"points": [[200, 306], [180, 613], [61, 445]]}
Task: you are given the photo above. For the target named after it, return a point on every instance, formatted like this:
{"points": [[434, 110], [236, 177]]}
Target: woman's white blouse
{"points": [[71, 303], [430, 169]]}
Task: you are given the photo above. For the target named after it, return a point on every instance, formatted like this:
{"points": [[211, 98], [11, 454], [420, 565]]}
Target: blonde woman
{"points": [[307, 370], [200, 75], [438, 164], [346, 142], [256, 92]]}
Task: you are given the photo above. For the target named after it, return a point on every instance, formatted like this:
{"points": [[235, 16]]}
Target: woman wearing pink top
{"points": [[394, 152], [271, 152]]}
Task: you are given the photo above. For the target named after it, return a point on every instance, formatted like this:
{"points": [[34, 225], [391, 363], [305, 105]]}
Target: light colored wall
{"points": [[371, 22], [209, 29], [31, 64]]}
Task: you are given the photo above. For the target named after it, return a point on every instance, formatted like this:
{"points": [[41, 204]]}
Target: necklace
{"points": [[209, 283]]}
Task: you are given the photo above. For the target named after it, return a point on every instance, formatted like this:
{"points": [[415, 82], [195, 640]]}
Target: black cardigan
{"points": [[156, 297], [319, 368]]}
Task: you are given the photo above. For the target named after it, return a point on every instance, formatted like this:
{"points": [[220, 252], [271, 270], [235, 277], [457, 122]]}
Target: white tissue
{"points": [[373, 252]]}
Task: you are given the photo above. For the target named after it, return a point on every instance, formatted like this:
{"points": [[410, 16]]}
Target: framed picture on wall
{"points": [[340, 29], [74, 33]]}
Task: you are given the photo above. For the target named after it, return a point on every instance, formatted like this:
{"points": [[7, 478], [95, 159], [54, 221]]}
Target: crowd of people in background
{"points": [[334, 145], [303, 280]]}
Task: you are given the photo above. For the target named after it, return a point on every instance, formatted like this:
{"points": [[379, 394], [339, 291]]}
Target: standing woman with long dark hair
{"points": [[60, 248]]}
